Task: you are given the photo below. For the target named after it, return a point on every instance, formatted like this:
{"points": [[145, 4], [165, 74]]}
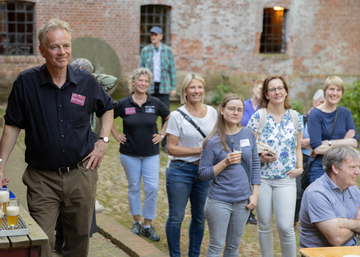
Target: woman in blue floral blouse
{"points": [[278, 185]]}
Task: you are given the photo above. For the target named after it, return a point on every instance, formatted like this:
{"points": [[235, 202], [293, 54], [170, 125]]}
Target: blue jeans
{"points": [[182, 183], [226, 222], [316, 171], [148, 169]]}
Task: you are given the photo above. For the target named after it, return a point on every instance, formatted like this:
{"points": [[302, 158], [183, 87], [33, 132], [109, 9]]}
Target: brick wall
{"points": [[323, 36]]}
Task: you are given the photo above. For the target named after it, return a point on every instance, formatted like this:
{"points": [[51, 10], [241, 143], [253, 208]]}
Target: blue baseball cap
{"points": [[156, 30]]}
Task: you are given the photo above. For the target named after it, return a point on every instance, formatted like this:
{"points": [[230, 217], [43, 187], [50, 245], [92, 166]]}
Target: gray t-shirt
{"points": [[324, 200], [232, 184]]}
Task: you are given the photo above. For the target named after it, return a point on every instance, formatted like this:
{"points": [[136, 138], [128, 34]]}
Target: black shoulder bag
{"points": [[187, 117], [307, 166], [243, 164]]}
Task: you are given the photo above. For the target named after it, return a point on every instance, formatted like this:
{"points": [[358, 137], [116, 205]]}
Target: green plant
{"points": [[297, 106], [350, 100], [219, 93]]}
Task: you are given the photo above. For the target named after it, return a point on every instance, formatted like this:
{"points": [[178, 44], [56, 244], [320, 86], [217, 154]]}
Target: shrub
{"points": [[219, 93], [350, 100], [297, 106]]}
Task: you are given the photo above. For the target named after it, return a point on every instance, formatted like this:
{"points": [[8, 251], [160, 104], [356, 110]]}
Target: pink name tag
{"points": [[78, 99], [130, 110]]}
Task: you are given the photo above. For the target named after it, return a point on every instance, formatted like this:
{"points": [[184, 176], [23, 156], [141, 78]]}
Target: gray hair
{"points": [[318, 95], [83, 63], [337, 155], [136, 74], [53, 24]]}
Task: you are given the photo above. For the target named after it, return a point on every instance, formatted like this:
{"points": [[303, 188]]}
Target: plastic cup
{"points": [[237, 149]]}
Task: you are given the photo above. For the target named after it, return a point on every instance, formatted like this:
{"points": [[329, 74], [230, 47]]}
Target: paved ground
{"points": [[118, 241]]}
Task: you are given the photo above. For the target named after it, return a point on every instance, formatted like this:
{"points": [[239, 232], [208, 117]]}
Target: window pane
{"points": [[157, 19], [20, 6], [150, 9], [29, 17], [11, 6], [30, 7], [20, 16], [150, 19]]}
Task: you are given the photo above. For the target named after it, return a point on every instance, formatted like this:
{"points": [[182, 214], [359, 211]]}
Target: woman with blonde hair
{"points": [[139, 148], [282, 131], [230, 197], [329, 125], [186, 130]]}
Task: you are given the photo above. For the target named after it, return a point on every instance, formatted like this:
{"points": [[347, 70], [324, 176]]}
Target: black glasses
{"points": [[273, 90]]}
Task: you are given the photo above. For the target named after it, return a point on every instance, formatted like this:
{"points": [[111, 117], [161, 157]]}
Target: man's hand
{"points": [[96, 155], [172, 93]]}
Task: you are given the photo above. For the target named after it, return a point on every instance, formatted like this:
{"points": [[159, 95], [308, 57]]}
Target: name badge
{"points": [[244, 142], [130, 110], [78, 99], [149, 109]]}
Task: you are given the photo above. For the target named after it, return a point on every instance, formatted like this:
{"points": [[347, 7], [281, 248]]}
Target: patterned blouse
{"points": [[282, 137]]}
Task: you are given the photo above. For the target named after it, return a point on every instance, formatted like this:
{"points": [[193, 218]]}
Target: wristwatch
{"points": [[329, 142], [161, 135], [105, 139], [0, 161]]}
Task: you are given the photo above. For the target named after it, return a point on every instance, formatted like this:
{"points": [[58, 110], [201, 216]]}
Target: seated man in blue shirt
{"points": [[330, 212]]}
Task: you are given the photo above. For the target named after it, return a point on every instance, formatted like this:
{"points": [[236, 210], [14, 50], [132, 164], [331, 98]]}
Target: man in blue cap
{"points": [[159, 58]]}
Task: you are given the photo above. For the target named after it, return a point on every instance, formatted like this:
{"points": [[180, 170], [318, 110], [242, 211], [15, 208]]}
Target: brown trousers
{"points": [[73, 193]]}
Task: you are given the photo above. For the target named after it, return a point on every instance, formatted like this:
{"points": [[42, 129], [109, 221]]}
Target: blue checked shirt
{"points": [[168, 70]]}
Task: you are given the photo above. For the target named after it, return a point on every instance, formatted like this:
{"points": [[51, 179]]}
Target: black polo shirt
{"points": [[56, 120], [139, 125]]}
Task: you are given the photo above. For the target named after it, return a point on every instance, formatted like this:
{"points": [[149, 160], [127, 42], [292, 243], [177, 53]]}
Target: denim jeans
{"points": [[182, 183], [148, 169], [316, 171], [278, 195], [226, 221]]}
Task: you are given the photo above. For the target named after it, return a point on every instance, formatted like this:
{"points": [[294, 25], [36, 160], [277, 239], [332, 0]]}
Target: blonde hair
{"points": [[185, 84], [136, 74], [53, 24], [333, 80]]}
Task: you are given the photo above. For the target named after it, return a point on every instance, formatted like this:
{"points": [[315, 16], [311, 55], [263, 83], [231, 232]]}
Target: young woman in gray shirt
{"points": [[230, 196]]}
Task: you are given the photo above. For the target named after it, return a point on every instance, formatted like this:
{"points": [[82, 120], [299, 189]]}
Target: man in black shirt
{"points": [[53, 103]]}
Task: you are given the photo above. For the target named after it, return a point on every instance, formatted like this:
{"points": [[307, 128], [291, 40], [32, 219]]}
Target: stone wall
{"points": [[213, 37]]}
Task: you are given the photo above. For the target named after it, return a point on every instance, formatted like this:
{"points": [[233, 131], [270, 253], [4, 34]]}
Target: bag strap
{"points": [[295, 119], [336, 115], [262, 122], [243, 164], [187, 117]]}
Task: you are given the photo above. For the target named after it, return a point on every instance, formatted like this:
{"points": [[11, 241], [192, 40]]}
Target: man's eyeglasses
{"points": [[273, 90]]}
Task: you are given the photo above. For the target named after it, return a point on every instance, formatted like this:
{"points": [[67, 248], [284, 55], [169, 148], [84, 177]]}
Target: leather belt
{"points": [[65, 169]]}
